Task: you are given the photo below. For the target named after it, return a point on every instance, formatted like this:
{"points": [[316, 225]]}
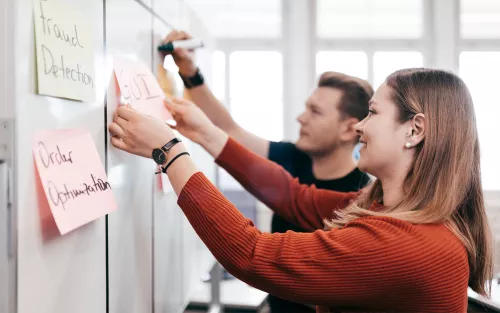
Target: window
{"points": [[369, 18], [385, 63], [240, 18], [255, 95], [218, 75], [480, 71], [256, 92], [480, 19], [354, 63]]}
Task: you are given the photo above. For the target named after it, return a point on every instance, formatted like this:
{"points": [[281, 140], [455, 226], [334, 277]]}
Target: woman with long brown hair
{"points": [[413, 241]]}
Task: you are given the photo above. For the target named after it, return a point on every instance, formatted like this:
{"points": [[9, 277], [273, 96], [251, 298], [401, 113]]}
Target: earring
{"points": [[408, 136]]}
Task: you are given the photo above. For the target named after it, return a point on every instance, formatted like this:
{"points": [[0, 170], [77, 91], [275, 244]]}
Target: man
{"points": [[323, 154]]}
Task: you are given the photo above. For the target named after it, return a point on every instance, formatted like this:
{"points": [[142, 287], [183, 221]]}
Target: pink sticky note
{"points": [[72, 176], [140, 88]]}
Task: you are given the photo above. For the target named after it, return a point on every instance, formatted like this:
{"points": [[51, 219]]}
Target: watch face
{"points": [[159, 156]]}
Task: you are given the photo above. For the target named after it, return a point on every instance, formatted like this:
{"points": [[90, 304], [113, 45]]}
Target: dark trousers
{"points": [[278, 305]]}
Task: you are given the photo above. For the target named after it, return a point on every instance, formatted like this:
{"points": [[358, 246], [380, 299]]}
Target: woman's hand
{"points": [[137, 133], [191, 121], [195, 125]]}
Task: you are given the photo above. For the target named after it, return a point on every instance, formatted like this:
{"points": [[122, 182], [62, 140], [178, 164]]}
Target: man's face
{"points": [[321, 122]]}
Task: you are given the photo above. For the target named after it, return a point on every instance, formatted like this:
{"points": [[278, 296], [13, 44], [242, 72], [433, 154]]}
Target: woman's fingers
{"points": [[173, 107], [126, 112], [180, 101], [118, 120], [116, 130], [119, 144]]}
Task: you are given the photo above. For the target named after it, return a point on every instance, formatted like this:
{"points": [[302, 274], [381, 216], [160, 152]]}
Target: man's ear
{"points": [[348, 129]]}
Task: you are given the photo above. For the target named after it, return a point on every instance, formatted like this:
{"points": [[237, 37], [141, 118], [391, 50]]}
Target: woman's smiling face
{"points": [[382, 136]]}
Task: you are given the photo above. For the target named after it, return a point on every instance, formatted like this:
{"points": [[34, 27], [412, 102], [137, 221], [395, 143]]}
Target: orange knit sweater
{"points": [[374, 264]]}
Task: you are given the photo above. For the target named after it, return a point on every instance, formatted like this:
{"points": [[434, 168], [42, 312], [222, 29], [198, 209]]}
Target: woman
{"points": [[410, 242]]}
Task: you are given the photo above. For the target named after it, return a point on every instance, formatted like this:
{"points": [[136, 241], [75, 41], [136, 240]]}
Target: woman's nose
{"points": [[359, 127]]}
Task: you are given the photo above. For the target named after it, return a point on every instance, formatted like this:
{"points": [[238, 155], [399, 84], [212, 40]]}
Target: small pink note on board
{"points": [[72, 177], [139, 88]]}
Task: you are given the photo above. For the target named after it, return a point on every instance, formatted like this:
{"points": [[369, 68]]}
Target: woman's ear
{"points": [[418, 129]]}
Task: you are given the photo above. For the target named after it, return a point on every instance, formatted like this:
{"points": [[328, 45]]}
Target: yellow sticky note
{"points": [[166, 83], [72, 176], [64, 51]]}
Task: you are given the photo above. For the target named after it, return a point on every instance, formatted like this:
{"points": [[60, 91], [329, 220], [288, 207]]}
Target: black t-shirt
{"points": [[299, 165]]}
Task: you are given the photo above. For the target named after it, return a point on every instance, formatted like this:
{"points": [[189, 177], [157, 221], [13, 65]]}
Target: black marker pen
{"points": [[189, 44]]}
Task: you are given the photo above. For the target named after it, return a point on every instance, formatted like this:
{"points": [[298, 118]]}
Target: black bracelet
{"points": [[164, 169]]}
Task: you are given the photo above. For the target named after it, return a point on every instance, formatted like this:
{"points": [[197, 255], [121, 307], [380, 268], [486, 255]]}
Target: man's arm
{"points": [[210, 105]]}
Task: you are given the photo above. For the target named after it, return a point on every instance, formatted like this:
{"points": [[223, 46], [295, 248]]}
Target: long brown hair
{"points": [[444, 183]]}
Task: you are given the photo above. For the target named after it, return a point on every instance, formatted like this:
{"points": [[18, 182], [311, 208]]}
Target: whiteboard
{"points": [[180, 257], [144, 257], [130, 239], [167, 227], [7, 219], [64, 273]]}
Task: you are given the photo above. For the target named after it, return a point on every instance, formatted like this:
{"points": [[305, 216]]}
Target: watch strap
{"points": [[170, 144], [193, 81]]}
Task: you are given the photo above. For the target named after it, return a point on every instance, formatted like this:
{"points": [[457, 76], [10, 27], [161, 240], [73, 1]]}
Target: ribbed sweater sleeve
{"points": [[303, 205]]}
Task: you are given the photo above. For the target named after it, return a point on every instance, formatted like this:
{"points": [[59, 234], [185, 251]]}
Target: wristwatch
{"points": [[160, 155], [193, 81]]}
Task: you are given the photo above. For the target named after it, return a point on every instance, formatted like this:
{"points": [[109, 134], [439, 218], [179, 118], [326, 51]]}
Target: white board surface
{"points": [[110, 264], [56, 274]]}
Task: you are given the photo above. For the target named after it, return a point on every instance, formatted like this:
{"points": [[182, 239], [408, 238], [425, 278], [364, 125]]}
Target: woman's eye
{"points": [[370, 112]]}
